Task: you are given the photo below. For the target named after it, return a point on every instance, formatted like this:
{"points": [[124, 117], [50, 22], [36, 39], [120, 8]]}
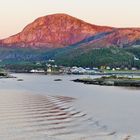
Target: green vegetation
{"points": [[115, 77], [4, 74], [113, 57], [23, 66], [135, 50], [112, 80]]}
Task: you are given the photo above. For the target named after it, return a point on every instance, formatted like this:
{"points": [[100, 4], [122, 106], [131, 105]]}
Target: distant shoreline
{"points": [[101, 73], [111, 81]]}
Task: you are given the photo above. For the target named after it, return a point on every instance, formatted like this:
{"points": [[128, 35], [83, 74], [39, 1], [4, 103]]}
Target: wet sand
{"points": [[52, 117]]}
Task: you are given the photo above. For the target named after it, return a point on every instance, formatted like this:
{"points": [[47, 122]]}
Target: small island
{"points": [[4, 74], [112, 80]]}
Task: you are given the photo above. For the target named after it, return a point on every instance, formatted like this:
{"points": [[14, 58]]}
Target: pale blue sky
{"points": [[16, 14]]}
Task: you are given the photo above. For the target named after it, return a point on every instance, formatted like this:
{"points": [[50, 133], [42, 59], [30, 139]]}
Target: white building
{"points": [[49, 70], [37, 71]]}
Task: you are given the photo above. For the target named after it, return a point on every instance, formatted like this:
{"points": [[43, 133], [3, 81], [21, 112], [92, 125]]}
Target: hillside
{"points": [[113, 57], [71, 41], [62, 30], [53, 31]]}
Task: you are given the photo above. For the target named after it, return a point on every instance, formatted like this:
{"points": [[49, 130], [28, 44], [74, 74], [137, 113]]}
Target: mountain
{"points": [[62, 30], [71, 41], [121, 37], [54, 31]]}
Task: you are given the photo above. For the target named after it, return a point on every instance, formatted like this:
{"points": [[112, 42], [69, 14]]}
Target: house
{"points": [[113, 69], [136, 59], [118, 68], [37, 71], [134, 68], [77, 70], [49, 70], [95, 68], [108, 68], [51, 60]]}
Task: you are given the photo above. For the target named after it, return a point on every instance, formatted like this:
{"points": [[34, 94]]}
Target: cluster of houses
{"points": [[81, 70], [52, 68], [118, 68], [76, 70], [66, 70]]}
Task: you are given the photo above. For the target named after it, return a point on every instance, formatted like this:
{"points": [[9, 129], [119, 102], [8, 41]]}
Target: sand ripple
{"points": [[37, 117]]}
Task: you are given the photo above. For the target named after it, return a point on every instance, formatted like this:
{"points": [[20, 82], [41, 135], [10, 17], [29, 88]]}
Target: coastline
{"points": [[111, 81]]}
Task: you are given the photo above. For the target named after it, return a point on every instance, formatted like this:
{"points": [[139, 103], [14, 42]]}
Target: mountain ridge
{"points": [[57, 30], [62, 30]]}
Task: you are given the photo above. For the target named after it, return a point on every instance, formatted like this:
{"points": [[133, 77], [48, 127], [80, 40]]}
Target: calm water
{"points": [[40, 108]]}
